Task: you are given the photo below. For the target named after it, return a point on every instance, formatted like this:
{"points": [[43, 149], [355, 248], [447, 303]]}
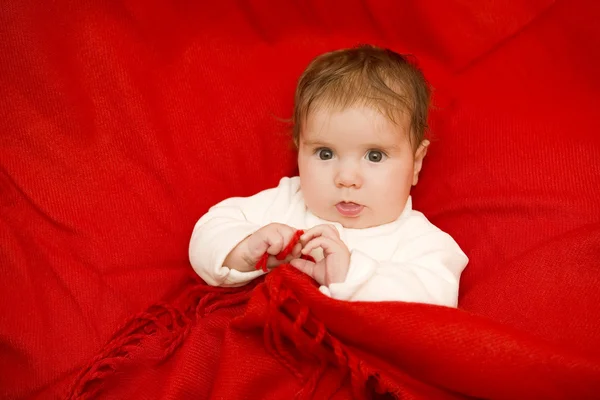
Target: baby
{"points": [[360, 118]]}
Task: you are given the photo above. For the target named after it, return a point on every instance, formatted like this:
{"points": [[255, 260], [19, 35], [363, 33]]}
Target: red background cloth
{"points": [[122, 122]]}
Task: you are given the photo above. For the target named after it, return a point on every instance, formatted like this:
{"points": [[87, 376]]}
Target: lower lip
{"points": [[349, 209]]}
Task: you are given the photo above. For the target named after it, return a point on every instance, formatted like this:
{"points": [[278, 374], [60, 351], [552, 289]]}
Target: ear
{"points": [[418, 163]]}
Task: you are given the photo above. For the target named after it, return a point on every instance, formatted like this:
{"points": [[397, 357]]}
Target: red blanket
{"points": [[121, 122], [281, 338], [331, 348]]}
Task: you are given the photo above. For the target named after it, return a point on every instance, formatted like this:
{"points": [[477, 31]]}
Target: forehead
{"points": [[356, 124]]}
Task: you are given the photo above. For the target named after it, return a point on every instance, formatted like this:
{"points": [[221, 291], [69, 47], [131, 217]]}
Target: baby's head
{"points": [[360, 118]]}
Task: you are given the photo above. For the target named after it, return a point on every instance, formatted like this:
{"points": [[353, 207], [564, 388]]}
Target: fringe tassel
{"points": [[172, 325], [323, 349]]}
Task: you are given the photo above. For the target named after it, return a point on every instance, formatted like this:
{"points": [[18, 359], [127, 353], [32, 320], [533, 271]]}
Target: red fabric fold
{"points": [[329, 347], [322, 348], [121, 122]]}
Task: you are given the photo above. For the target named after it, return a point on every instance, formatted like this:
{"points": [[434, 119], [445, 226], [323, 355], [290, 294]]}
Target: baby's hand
{"points": [[270, 239], [333, 268]]}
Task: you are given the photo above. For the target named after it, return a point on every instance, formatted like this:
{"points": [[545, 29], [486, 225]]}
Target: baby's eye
{"points": [[375, 156], [325, 154]]}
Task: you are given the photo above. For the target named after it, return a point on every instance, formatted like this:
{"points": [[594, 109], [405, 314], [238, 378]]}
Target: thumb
{"points": [[302, 265], [311, 269]]}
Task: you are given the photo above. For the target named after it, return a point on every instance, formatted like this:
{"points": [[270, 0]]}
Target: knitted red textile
{"points": [[281, 338], [122, 122]]}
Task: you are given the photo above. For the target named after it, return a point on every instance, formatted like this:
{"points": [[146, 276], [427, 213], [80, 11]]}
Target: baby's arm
{"points": [[227, 240], [425, 270]]}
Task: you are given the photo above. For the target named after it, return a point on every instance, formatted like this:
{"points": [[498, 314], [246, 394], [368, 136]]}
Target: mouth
{"points": [[349, 209]]}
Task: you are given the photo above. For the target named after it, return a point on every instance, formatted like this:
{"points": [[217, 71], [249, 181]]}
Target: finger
{"points": [[289, 241], [277, 260], [273, 262], [297, 250], [312, 233], [315, 271], [276, 242], [326, 230], [287, 232], [327, 244], [303, 265], [313, 244], [256, 244]]}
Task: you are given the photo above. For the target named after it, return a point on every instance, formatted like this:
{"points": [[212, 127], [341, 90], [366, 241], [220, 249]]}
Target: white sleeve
{"points": [[428, 273], [227, 224]]}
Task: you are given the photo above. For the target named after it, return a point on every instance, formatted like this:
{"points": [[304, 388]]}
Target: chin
{"points": [[355, 223]]}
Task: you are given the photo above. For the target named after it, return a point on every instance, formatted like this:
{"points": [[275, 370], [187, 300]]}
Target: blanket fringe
{"points": [[314, 344], [171, 325]]}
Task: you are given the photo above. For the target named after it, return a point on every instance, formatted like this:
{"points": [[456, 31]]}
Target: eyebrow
{"points": [[382, 146], [316, 142], [321, 143]]}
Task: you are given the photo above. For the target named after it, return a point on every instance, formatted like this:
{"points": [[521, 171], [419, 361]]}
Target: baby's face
{"points": [[356, 166]]}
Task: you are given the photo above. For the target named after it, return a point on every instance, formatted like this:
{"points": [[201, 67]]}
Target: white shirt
{"points": [[409, 259]]}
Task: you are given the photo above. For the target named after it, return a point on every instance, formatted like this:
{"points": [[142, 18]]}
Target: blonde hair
{"points": [[369, 76]]}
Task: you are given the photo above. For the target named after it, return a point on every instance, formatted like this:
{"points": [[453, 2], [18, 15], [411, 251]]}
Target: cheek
{"points": [[317, 185], [394, 183], [312, 180], [312, 170]]}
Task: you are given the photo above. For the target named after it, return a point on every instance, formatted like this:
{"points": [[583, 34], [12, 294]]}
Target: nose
{"points": [[348, 175]]}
